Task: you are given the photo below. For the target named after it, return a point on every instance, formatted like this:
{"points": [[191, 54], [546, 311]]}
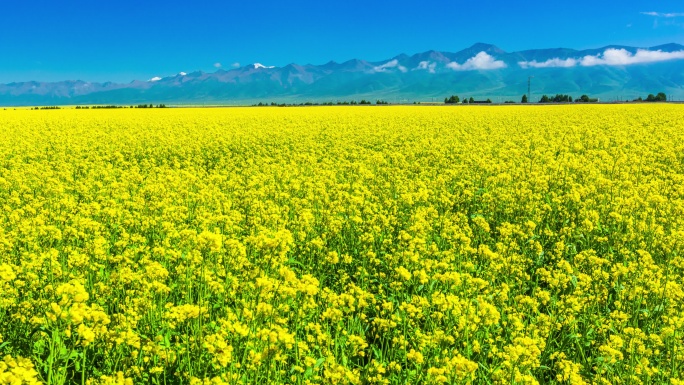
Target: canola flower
{"points": [[393, 245]]}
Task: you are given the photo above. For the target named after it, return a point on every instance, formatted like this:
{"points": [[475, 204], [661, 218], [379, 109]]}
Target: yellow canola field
{"points": [[343, 245]]}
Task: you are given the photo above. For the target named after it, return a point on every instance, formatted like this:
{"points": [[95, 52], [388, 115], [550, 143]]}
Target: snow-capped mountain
{"points": [[482, 70]]}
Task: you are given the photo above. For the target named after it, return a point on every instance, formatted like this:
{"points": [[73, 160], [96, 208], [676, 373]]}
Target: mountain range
{"points": [[481, 71]]}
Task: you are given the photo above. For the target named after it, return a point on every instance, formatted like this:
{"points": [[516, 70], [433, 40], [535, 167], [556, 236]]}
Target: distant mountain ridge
{"points": [[482, 70]]}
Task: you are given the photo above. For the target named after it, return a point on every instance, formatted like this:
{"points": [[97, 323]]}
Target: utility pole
{"points": [[529, 83]]}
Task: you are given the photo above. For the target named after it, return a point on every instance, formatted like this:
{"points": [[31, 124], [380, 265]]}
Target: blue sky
{"points": [[125, 40]]}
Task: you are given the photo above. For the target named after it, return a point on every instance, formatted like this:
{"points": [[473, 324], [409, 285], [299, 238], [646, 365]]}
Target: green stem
{"points": [[83, 366]]}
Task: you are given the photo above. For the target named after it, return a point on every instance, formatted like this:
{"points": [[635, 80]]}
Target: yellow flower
{"points": [[415, 356], [18, 371]]}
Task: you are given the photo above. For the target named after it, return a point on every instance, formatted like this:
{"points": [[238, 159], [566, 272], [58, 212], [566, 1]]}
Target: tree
{"points": [[544, 99], [661, 97], [586, 99], [471, 100], [524, 99], [560, 98], [452, 100]]}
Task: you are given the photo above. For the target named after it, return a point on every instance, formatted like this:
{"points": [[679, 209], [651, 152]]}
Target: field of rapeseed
{"points": [[389, 245]]}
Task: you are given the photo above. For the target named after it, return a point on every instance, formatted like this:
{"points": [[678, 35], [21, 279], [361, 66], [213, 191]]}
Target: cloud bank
{"points": [[427, 66], [481, 61], [610, 57], [259, 65], [390, 64], [663, 14], [551, 63], [155, 79], [624, 57]]}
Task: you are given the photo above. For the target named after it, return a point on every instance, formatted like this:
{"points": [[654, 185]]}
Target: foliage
{"points": [[453, 99], [586, 99], [559, 98], [661, 97], [144, 106]]}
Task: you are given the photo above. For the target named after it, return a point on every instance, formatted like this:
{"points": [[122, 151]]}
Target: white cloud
{"points": [[155, 79], [217, 65], [663, 14], [426, 65], [481, 61], [390, 64], [235, 65], [259, 65], [551, 63], [610, 57], [182, 73], [622, 57]]}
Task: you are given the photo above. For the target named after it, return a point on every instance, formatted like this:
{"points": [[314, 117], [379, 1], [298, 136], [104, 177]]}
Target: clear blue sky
{"points": [[125, 40]]}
